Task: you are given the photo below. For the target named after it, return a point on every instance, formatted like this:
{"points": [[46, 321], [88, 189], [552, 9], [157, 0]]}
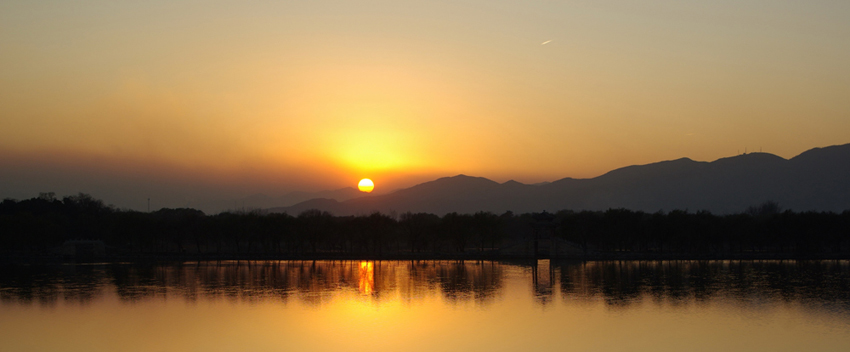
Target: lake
{"points": [[428, 306]]}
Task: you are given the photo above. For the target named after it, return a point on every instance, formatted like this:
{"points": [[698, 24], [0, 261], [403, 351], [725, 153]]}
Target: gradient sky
{"points": [[183, 100]]}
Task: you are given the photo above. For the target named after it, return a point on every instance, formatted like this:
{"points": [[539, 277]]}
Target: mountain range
{"points": [[262, 201], [816, 180]]}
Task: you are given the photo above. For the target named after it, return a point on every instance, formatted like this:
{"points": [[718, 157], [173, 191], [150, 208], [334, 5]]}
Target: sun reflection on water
{"points": [[367, 278]]}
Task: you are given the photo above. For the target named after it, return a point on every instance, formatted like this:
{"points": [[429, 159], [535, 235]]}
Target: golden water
{"points": [[428, 306]]}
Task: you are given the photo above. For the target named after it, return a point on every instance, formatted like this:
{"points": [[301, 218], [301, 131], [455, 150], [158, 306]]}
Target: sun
{"points": [[366, 185]]}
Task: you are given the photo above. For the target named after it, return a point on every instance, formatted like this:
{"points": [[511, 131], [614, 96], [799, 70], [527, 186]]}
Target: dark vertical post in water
{"points": [[534, 275], [542, 279], [551, 274], [376, 274]]}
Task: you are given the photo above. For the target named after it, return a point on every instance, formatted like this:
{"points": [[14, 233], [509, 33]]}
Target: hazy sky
{"points": [[182, 100]]}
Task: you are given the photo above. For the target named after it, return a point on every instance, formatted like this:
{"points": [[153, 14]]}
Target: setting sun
{"points": [[366, 185]]}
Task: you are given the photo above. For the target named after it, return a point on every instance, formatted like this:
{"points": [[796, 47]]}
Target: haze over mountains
{"points": [[259, 201], [818, 180]]}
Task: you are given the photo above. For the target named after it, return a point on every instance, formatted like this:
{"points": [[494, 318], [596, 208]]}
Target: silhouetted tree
{"points": [[419, 228], [314, 226], [458, 227]]}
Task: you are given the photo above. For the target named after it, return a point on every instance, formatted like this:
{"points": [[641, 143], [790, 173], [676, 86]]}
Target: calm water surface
{"points": [[428, 306]]}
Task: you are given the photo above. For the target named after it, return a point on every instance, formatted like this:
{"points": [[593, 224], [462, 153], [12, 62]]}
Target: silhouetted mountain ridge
{"points": [[449, 187], [818, 180], [260, 201]]}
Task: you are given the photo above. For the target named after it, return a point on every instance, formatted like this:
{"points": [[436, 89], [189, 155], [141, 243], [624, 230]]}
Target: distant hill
{"points": [[262, 201], [818, 179]]}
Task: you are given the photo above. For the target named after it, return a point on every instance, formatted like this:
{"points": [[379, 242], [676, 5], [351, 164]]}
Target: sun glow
{"points": [[373, 150], [366, 185]]}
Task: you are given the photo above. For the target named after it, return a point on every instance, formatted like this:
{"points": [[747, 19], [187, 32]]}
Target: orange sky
{"points": [[248, 97]]}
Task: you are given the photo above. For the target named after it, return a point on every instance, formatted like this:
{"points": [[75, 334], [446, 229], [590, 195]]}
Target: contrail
{"points": [[546, 42]]}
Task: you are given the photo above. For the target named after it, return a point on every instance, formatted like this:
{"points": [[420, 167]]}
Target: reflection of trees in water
{"points": [[311, 282], [822, 283], [28, 284], [465, 280], [542, 279]]}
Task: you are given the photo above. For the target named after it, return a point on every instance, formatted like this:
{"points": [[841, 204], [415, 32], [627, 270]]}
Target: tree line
{"points": [[41, 225]]}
